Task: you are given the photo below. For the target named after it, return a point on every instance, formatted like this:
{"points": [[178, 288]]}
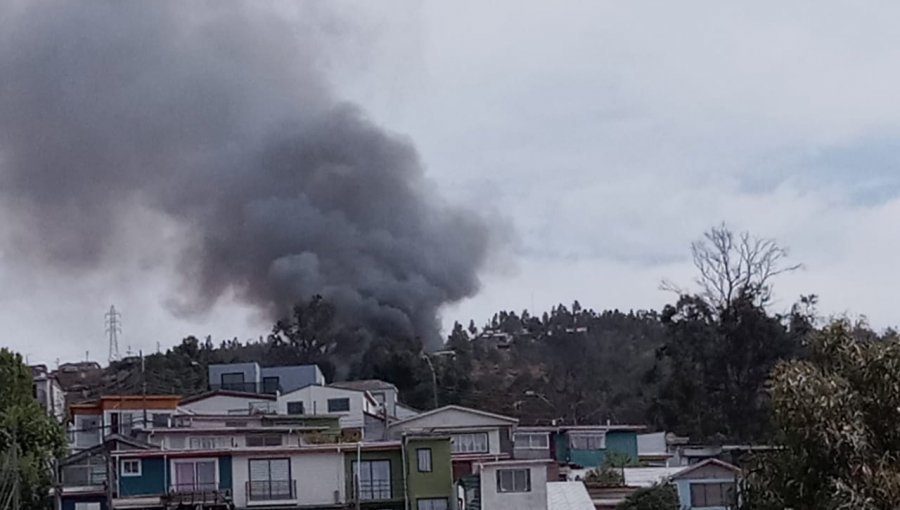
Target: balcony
{"points": [[248, 387], [193, 494], [271, 490], [374, 490]]}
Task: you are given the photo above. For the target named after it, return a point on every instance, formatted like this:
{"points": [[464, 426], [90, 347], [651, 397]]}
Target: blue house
{"points": [[708, 485], [586, 446], [159, 478]]}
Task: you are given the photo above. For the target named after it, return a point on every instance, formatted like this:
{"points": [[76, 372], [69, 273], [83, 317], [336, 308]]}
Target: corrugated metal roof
{"points": [[568, 496]]}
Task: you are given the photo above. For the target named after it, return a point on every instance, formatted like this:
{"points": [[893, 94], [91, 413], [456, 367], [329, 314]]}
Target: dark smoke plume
{"points": [[216, 115]]}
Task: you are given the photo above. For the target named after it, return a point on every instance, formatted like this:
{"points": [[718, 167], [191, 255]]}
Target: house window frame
{"points": [[724, 487], [339, 399], [124, 463], [290, 480], [419, 460], [295, 402], [175, 462], [228, 386], [520, 445], [456, 442], [592, 441], [513, 488], [265, 383], [354, 470]]}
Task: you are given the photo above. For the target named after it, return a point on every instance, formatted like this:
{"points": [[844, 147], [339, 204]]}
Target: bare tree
{"points": [[732, 265]]}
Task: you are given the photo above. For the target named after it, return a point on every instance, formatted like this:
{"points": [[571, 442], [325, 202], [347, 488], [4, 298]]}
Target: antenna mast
{"points": [[113, 330]]}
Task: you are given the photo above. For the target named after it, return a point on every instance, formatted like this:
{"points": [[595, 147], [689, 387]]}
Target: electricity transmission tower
{"points": [[113, 330]]}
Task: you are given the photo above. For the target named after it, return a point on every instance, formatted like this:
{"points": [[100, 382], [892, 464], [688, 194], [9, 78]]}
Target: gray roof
{"points": [[365, 385]]}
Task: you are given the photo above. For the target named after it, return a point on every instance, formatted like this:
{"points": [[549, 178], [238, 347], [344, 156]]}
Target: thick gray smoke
{"points": [[216, 115]]}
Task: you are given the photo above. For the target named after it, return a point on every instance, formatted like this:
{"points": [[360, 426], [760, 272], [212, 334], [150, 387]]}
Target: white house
{"points": [[221, 402], [385, 394], [48, 392], [476, 436], [711, 485], [350, 405], [315, 476], [513, 484]]}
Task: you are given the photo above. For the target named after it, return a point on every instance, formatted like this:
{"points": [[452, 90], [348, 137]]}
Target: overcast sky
{"points": [[608, 136]]}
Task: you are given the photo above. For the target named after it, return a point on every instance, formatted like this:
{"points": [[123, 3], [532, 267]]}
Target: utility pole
{"points": [[433, 378], [113, 329], [144, 388]]}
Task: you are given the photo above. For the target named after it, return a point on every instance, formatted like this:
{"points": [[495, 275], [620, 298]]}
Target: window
{"points": [[532, 440], [379, 397], [87, 506], [513, 480], [195, 475], [126, 422], [476, 442], [711, 494], [131, 467], [270, 479], [264, 440], [374, 479], [160, 420], [295, 408], [588, 441], [423, 460], [271, 385], [235, 424], [233, 381], [210, 442], [338, 405], [432, 504], [176, 442]]}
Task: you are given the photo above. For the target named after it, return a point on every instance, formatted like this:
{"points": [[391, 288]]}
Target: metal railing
{"points": [[271, 490], [374, 490], [182, 488], [247, 387]]}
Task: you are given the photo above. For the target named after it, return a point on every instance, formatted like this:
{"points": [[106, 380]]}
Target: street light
{"points": [[427, 358]]}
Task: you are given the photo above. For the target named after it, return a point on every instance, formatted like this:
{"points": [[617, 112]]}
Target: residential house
{"points": [[48, 392], [710, 485], [92, 422], [251, 378], [220, 402], [350, 404], [506, 485], [84, 477], [477, 436], [577, 446], [387, 475], [261, 462], [385, 393]]}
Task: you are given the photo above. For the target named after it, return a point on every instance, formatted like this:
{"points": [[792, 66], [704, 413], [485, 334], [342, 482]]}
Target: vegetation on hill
{"points": [[29, 439]]}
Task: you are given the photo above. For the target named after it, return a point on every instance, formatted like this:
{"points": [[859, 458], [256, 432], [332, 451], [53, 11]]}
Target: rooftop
{"points": [[365, 385]]}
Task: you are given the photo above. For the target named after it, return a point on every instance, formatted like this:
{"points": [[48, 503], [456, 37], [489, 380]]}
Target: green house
{"points": [[387, 475]]}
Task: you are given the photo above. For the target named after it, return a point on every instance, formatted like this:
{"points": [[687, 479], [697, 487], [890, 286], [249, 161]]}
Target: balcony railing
{"points": [[271, 490], [195, 487], [374, 490], [247, 387]]}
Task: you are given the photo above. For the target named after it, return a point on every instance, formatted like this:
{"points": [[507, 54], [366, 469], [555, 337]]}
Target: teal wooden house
{"points": [[586, 446]]}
